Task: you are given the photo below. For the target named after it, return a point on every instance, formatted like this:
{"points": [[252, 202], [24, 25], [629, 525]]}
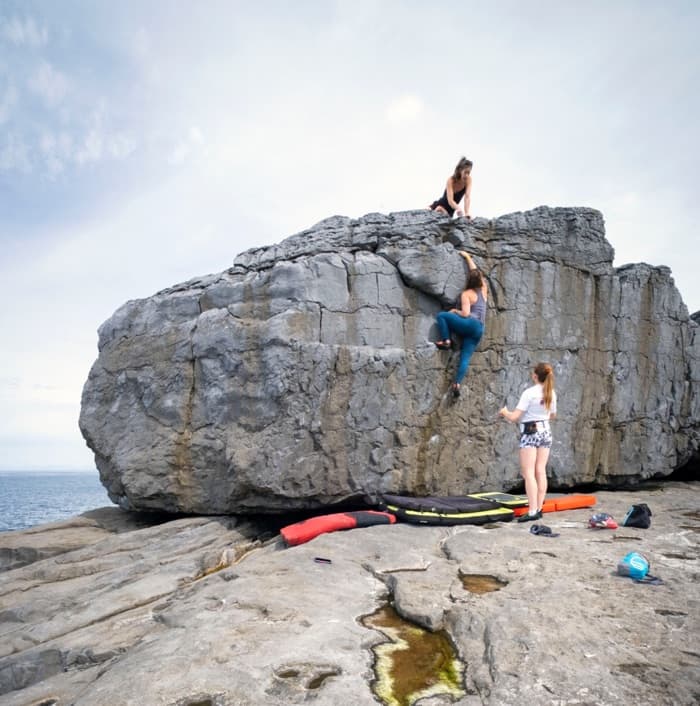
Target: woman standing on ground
{"points": [[468, 320], [537, 406], [459, 185]]}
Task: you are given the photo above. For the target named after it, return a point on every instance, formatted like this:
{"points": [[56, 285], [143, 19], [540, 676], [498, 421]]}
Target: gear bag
{"points": [[638, 516], [636, 566]]}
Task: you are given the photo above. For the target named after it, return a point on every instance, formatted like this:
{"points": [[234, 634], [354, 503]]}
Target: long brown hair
{"points": [[475, 280], [462, 164], [545, 375]]}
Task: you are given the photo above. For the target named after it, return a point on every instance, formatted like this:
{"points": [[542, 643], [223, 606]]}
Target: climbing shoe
{"points": [[529, 518]]}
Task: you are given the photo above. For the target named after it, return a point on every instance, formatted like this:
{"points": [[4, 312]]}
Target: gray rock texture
{"points": [[305, 376], [43, 541], [214, 612]]}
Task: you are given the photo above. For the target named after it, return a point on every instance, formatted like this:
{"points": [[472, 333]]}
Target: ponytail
{"points": [[545, 375]]}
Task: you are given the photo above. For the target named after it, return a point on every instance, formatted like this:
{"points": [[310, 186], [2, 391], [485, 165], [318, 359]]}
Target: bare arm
{"points": [[472, 266], [465, 304], [467, 197], [516, 414], [511, 416], [468, 258]]}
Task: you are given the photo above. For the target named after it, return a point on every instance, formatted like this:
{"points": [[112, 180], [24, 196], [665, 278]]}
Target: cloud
{"points": [[24, 32], [14, 154], [9, 382], [404, 109], [49, 84], [56, 151], [187, 147], [100, 142], [91, 148], [53, 153], [120, 146], [8, 100], [140, 44]]}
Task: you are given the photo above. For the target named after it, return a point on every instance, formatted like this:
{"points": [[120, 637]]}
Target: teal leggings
{"points": [[470, 329]]}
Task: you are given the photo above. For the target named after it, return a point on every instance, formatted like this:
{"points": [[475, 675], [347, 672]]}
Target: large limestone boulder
{"points": [[305, 375]]}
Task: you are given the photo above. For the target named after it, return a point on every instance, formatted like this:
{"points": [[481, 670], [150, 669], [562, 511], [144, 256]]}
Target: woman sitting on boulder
{"points": [[459, 185], [468, 320], [537, 405]]}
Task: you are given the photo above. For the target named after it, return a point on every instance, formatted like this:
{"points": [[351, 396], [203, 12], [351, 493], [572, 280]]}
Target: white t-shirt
{"points": [[532, 404]]}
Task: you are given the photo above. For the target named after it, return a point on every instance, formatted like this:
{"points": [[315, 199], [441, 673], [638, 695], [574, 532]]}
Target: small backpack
{"points": [[634, 565], [602, 520], [638, 516]]}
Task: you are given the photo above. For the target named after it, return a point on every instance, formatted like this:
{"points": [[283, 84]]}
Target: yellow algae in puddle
{"points": [[482, 583], [416, 663]]}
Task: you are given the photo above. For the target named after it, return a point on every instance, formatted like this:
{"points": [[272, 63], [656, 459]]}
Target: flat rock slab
{"points": [[25, 547], [215, 611]]}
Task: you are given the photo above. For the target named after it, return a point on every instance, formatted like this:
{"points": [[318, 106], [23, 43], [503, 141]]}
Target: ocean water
{"points": [[29, 498]]}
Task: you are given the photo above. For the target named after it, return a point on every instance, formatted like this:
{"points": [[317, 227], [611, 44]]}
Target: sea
{"points": [[29, 498]]}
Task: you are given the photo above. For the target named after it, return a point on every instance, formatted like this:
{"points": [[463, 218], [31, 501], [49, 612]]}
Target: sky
{"points": [[143, 143]]}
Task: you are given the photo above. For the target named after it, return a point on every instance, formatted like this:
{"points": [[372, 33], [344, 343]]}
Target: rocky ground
{"points": [[109, 609]]}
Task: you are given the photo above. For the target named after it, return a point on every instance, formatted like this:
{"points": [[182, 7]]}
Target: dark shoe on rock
{"points": [[456, 391], [543, 530], [529, 518]]}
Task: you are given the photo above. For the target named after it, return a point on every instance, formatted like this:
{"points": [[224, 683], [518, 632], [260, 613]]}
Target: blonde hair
{"points": [[545, 375]]}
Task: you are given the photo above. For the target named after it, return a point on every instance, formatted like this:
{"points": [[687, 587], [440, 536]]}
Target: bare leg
{"points": [[528, 457], [541, 475], [440, 209]]}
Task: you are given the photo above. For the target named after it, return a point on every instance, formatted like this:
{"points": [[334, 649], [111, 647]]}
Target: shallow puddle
{"points": [[414, 663], [482, 583]]}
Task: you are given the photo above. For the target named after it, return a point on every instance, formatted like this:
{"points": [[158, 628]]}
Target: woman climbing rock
{"points": [[467, 320]]}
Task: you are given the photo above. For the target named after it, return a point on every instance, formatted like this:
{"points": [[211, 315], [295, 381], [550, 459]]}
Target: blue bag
{"points": [[638, 516], [633, 565]]}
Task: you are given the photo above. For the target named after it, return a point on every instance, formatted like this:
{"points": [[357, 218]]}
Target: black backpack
{"points": [[638, 516]]}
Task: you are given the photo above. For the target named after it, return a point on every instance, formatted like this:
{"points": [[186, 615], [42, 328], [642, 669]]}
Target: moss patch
{"points": [[414, 663]]}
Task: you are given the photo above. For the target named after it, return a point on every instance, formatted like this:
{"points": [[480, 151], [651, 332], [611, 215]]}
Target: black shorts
{"points": [[444, 204]]}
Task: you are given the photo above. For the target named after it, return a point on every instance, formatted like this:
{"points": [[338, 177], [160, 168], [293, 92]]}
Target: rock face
{"points": [[304, 375], [209, 611]]}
